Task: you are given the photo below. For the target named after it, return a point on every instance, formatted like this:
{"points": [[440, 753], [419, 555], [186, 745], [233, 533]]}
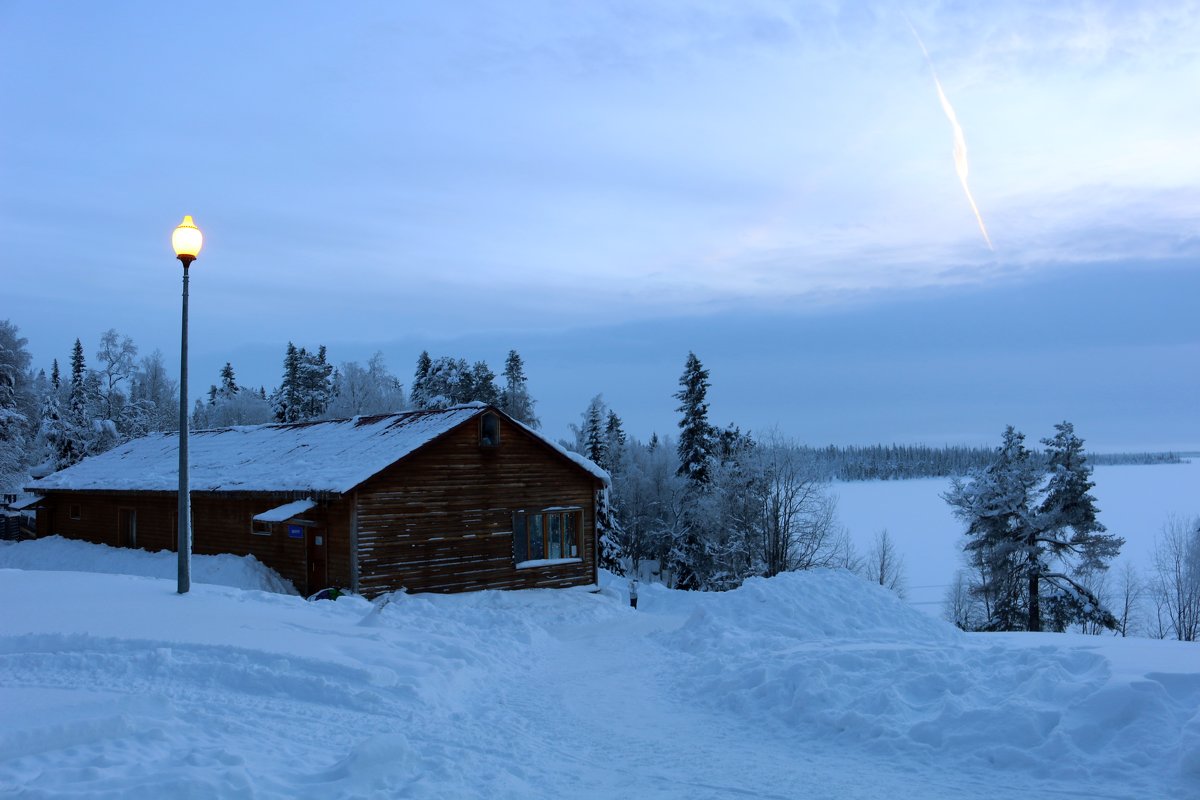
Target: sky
{"points": [[606, 186]]}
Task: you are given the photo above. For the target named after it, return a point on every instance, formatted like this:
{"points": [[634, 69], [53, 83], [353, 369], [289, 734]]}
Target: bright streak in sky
{"points": [[605, 186], [960, 141]]}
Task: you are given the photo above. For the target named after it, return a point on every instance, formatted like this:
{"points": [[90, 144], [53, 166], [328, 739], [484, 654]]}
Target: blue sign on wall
{"points": [[295, 532]]}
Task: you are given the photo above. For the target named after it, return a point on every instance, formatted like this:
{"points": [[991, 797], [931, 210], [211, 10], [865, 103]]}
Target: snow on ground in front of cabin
{"points": [[805, 685], [69, 555]]}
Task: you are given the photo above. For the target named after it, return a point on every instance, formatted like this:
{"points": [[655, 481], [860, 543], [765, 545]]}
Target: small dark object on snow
{"points": [[327, 594], [633, 593]]}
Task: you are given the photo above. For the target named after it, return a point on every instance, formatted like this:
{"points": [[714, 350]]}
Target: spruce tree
{"points": [[315, 383], [999, 505], [77, 424], [419, 396], [286, 399], [688, 557], [1070, 537], [610, 534], [696, 437], [514, 398], [482, 385], [1018, 537], [229, 385], [15, 410], [50, 428], [614, 442], [593, 433]]}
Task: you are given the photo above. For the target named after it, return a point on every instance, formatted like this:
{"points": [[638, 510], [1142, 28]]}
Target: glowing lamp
{"points": [[187, 241]]}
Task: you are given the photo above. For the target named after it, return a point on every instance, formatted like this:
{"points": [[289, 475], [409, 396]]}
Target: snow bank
{"points": [[68, 555], [835, 658], [816, 684], [814, 606]]}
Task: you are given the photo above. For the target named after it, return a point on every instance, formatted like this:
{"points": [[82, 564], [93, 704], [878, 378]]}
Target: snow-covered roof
{"points": [[28, 502], [286, 511], [332, 456]]}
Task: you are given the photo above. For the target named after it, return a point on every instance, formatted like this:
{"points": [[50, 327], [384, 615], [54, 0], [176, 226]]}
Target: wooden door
{"points": [[318, 574], [126, 527]]}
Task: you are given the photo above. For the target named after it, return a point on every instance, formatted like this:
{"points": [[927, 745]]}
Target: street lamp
{"points": [[187, 241]]}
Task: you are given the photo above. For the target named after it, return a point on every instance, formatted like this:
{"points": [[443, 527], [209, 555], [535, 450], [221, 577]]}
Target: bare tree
{"points": [[1130, 590], [797, 517], [1099, 585], [155, 395], [115, 357], [884, 565], [1176, 581], [370, 390], [963, 605]]}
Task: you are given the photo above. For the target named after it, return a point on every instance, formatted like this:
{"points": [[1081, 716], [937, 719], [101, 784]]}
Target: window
{"points": [[548, 535], [489, 430], [76, 511], [260, 528]]}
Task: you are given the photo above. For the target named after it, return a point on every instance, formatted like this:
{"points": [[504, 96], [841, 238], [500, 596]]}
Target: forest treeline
{"points": [[50, 419], [897, 462]]}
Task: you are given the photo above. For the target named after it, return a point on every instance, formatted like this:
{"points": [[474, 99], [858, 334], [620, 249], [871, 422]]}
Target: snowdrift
{"points": [[813, 606], [815, 684], [68, 555], [832, 657]]}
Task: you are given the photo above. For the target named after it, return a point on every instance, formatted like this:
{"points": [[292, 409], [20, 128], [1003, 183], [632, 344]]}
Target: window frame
{"points": [[75, 511], [267, 529], [486, 420], [522, 539]]}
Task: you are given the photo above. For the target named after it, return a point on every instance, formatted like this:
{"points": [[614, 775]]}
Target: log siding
{"points": [[441, 520], [438, 520]]}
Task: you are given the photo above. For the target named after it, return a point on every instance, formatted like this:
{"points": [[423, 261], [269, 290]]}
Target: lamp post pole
{"points": [[187, 241]]}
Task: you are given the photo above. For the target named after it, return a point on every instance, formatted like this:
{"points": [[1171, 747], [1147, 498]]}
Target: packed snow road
{"points": [[805, 686]]}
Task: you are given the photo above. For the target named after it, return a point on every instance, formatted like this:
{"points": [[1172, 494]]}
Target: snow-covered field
{"points": [[1134, 502], [805, 685]]}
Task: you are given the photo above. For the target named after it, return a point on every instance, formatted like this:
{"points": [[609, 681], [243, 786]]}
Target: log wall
{"points": [[441, 519], [438, 521], [221, 524]]}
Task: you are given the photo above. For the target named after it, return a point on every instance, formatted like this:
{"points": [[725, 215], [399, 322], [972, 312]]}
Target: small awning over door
{"points": [[28, 502], [286, 511]]}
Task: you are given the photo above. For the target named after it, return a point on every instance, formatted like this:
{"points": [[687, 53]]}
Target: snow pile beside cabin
{"points": [[813, 684], [67, 555]]}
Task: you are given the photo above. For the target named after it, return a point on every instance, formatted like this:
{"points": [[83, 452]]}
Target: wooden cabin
{"points": [[428, 501]]}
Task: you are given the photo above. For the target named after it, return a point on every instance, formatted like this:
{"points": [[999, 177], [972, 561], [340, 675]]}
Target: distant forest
{"points": [[896, 462]]}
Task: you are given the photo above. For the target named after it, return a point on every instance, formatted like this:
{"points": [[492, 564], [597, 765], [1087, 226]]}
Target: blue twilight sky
{"points": [[607, 185]]}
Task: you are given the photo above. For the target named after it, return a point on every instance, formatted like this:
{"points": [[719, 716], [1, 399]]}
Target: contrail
{"points": [[960, 141]]}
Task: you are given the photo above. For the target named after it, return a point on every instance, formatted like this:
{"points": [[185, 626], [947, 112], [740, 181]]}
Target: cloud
{"points": [[615, 158]]}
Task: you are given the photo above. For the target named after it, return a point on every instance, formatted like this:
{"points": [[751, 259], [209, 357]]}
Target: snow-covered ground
{"points": [[57, 553], [804, 685], [1134, 503]]}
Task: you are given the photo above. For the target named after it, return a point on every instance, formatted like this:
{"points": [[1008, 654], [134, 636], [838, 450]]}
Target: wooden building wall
{"points": [[221, 524], [441, 520]]}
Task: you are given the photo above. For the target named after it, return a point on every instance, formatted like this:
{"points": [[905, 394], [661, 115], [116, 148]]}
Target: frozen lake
{"points": [[1134, 503]]}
